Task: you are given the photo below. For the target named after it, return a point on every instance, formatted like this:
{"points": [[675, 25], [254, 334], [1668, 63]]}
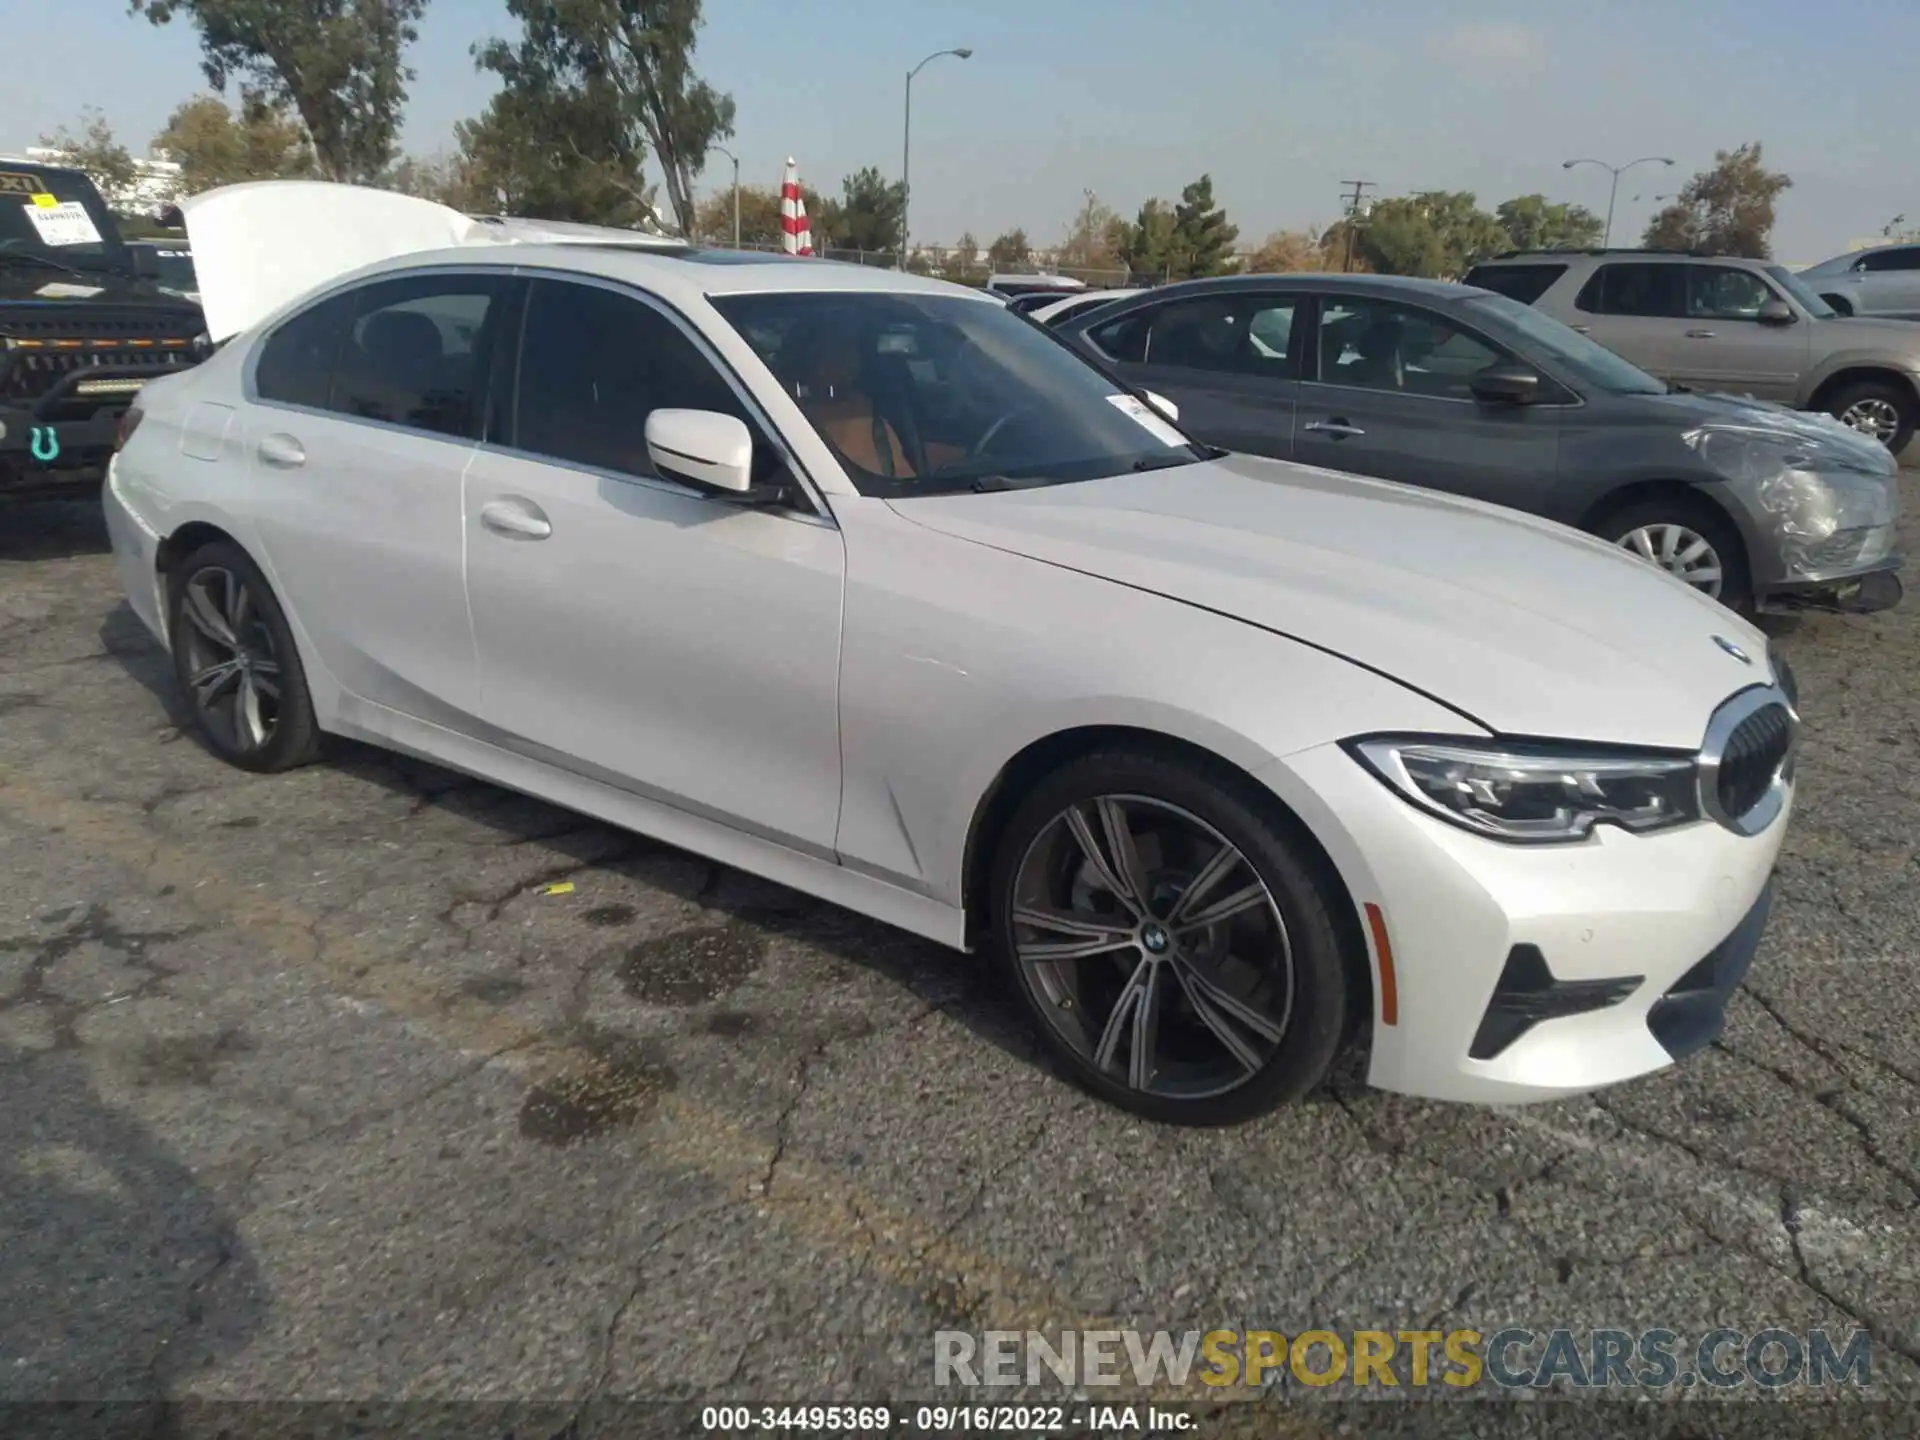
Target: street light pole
{"points": [[736, 192], [1614, 190], [906, 142]]}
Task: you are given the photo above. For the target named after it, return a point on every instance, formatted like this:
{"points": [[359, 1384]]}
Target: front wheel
{"points": [[1881, 409], [236, 662], [1689, 543], [1175, 948]]}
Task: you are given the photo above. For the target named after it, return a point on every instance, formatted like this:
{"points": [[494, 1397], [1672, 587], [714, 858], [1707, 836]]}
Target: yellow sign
{"points": [[46, 201]]}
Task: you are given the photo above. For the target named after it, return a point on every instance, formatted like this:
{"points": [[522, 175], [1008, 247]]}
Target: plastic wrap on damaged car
{"points": [[1830, 493]]}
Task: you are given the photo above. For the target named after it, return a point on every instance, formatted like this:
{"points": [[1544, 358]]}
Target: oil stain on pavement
{"points": [[691, 967]]}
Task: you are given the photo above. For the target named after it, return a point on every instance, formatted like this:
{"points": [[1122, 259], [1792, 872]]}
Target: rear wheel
{"points": [[236, 662], [1689, 542], [1174, 947], [1882, 409]]}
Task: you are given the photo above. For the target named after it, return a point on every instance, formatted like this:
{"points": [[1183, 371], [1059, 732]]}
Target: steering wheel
{"points": [[988, 435]]}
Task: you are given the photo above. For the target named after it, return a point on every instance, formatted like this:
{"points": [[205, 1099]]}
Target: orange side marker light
{"points": [[1389, 987]]}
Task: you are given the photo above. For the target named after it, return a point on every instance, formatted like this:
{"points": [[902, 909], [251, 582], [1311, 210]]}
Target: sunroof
{"points": [[735, 257]]}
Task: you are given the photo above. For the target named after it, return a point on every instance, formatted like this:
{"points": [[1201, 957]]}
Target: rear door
{"points": [[1637, 309], [1890, 284], [1724, 346], [1389, 394], [1229, 360], [366, 409]]}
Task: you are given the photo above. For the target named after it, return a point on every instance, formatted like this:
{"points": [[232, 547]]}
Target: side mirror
{"points": [[1506, 383], [146, 264], [702, 447], [1775, 312], [1165, 406]]}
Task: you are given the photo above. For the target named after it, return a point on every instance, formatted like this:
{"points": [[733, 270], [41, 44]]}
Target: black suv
{"points": [[80, 330], [1456, 388]]}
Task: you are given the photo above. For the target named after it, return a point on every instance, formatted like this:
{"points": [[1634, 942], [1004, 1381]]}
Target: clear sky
{"points": [[1280, 102]]}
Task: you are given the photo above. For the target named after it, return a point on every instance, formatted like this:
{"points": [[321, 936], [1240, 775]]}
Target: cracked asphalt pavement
{"points": [[370, 1082]]}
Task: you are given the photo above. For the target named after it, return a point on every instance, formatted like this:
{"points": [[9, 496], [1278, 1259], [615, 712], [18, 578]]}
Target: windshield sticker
{"points": [[59, 290], [45, 201], [1147, 418], [14, 183], [64, 224]]}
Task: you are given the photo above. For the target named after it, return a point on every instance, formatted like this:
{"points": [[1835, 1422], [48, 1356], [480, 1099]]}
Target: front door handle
{"points": [[516, 519], [1583, 329], [1339, 429], [283, 452], [1700, 334]]}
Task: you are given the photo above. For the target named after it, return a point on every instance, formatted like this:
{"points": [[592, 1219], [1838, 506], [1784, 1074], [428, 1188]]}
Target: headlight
{"points": [[1536, 793], [1830, 520]]}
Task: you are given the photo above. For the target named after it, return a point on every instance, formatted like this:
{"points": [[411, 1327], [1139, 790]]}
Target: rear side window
{"points": [[1525, 283], [1636, 288], [296, 363], [1908, 259], [416, 353]]}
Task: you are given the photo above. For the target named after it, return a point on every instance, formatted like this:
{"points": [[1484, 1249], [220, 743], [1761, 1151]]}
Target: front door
{"points": [[1391, 396], [366, 410], [1726, 347], [632, 629], [1229, 361]]}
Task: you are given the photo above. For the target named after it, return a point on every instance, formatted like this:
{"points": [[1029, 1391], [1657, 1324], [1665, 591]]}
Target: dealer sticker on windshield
{"points": [[1147, 418], [63, 224]]}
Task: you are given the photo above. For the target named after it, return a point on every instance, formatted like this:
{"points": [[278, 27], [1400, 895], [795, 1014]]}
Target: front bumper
{"points": [[1620, 923], [1867, 593]]}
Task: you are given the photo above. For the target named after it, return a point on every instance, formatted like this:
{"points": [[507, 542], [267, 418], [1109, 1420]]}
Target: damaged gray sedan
{"points": [[1459, 389]]}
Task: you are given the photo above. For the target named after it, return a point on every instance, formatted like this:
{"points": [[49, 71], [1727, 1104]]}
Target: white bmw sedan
{"points": [[860, 583]]}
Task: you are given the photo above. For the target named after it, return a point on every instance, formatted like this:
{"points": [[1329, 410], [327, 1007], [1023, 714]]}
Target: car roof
{"points": [[1385, 286], [684, 274], [1633, 255]]}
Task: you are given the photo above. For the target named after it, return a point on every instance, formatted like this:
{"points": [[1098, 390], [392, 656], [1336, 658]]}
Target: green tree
{"points": [[966, 253], [337, 63], [1436, 233], [1010, 249], [1149, 241], [1727, 210], [213, 146], [555, 154], [1532, 223], [868, 214], [635, 58], [1096, 240], [99, 155], [1202, 236]]}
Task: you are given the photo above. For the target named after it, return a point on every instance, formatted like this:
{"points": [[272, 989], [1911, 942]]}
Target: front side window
{"points": [[417, 351], [593, 365], [1234, 334], [1720, 292], [1636, 288], [1904, 259], [1381, 345], [921, 394]]}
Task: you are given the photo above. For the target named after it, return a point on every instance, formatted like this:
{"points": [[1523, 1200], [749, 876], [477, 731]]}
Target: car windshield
{"points": [[176, 270], [920, 394], [56, 217], [1797, 288], [1585, 360]]}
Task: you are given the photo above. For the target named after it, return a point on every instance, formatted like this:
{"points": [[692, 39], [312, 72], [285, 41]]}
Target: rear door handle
{"points": [[1700, 334], [1339, 429], [516, 519], [283, 452]]}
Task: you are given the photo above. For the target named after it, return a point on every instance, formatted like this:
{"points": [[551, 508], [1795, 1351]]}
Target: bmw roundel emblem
{"points": [[1733, 649]]}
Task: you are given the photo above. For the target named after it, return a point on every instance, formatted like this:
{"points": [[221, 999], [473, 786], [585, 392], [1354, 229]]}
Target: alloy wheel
{"points": [[232, 667], [1873, 416], [1680, 551], [1153, 947]]}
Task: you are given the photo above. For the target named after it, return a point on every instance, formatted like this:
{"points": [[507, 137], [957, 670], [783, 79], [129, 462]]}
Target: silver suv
{"points": [[1883, 282], [1717, 323]]}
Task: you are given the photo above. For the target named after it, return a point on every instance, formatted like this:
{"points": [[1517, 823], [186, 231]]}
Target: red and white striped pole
{"points": [[796, 235]]}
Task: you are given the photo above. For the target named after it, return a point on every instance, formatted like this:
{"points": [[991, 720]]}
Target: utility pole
{"points": [[1352, 204]]}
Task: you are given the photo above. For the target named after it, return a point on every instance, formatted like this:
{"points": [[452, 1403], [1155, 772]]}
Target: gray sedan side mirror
{"points": [[1506, 383]]}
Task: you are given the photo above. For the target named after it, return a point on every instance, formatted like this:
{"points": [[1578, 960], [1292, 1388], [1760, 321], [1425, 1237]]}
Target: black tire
{"points": [[265, 658], [1889, 393], [1697, 516], [1841, 305], [1297, 1057]]}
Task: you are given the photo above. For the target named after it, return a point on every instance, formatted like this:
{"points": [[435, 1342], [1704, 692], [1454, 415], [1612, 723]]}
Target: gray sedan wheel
{"points": [[1687, 540]]}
